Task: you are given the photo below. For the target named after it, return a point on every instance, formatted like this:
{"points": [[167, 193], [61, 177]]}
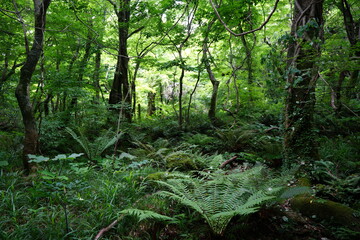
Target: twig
{"points": [[104, 230], [228, 161], [271, 128]]}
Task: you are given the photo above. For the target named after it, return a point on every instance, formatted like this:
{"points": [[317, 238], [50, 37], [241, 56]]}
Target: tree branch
{"points": [[104, 230], [135, 31], [243, 33]]}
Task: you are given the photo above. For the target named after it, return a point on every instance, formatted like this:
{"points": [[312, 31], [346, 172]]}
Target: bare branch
{"points": [[104, 230], [136, 31], [247, 32]]}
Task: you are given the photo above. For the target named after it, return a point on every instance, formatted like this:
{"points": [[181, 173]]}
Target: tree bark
{"points": [[133, 85], [249, 63], [181, 80], [306, 31], [151, 103], [353, 33], [215, 83], [82, 66], [23, 88], [96, 75], [120, 90]]}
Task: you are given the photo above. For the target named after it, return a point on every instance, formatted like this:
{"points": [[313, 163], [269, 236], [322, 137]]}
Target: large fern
{"points": [[219, 197], [96, 148]]}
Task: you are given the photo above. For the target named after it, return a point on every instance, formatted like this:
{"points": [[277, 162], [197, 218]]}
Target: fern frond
{"points": [[146, 215], [108, 142], [184, 201], [219, 197], [96, 148], [82, 140]]}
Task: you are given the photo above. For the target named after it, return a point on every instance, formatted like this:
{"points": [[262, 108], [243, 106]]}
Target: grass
{"points": [[35, 209]]}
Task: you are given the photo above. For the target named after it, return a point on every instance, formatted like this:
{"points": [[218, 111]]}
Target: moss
{"points": [[304, 181], [157, 176], [326, 210], [181, 161]]}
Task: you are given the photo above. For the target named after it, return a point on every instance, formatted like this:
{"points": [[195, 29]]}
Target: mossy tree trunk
{"points": [[23, 88], [303, 51]]}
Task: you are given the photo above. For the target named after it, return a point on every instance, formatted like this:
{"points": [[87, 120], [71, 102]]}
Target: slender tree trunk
{"points": [[97, 75], [133, 85], [336, 96], [120, 90], [187, 120], [73, 59], [23, 88], [299, 142], [352, 28], [249, 63], [181, 79], [82, 66], [151, 103], [215, 83]]}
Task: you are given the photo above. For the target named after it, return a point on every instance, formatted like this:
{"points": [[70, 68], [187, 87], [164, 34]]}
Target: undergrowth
{"points": [[161, 182]]}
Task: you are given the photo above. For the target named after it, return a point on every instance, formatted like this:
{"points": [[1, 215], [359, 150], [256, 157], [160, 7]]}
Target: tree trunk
{"points": [[215, 83], [120, 90], [82, 66], [181, 79], [23, 88], [353, 33], [151, 103], [306, 30], [133, 85], [97, 75], [187, 120], [249, 62]]}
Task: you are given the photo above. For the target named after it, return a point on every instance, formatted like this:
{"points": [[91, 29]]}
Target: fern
{"points": [[142, 215], [95, 149], [218, 197]]}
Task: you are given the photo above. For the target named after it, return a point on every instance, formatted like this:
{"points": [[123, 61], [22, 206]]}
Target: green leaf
{"points": [[59, 157], [62, 178], [126, 155], [37, 159], [3, 163], [294, 191], [47, 173], [75, 155]]}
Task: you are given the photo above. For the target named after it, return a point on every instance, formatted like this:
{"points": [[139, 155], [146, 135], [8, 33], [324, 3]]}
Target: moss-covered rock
{"points": [[157, 176], [327, 210], [304, 181], [181, 161]]}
